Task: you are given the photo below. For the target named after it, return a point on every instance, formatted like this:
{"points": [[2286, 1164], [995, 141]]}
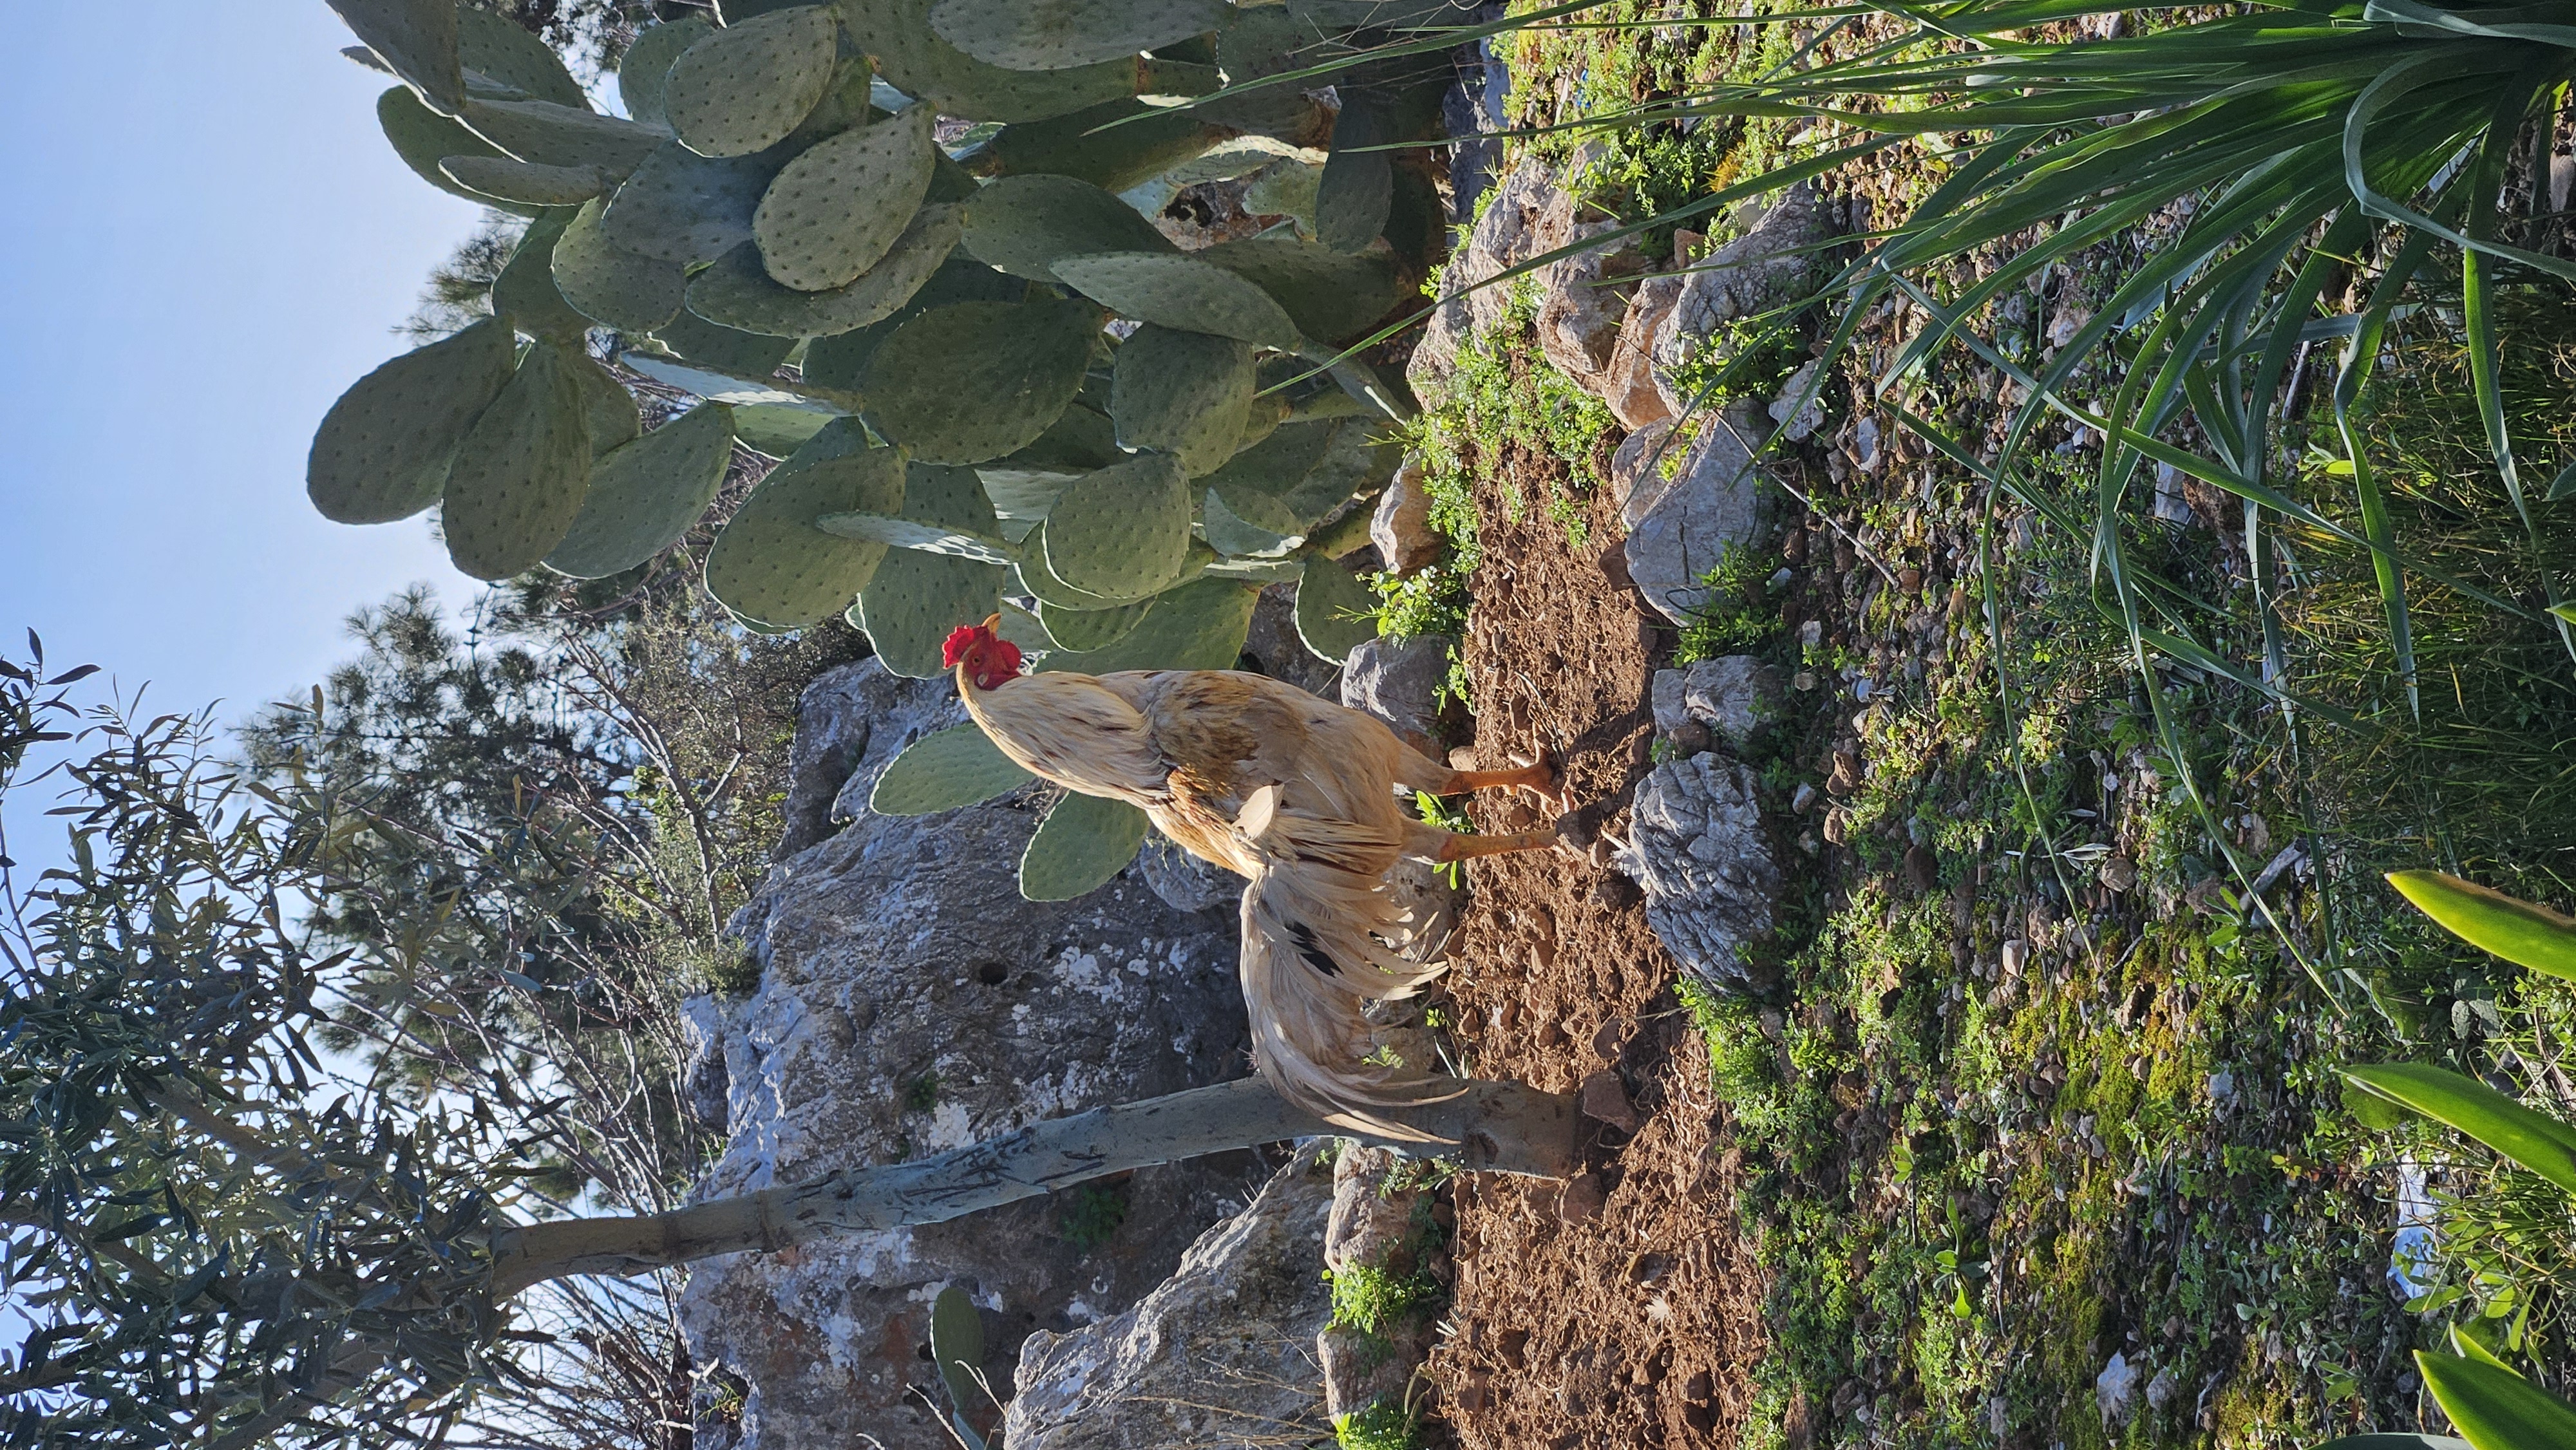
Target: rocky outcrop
{"points": [[1698, 850], [1401, 527], [1400, 684], [1221, 1356], [911, 1002], [1771, 265], [1628, 384], [1680, 528], [1382, 1225], [1583, 297], [1733, 699]]}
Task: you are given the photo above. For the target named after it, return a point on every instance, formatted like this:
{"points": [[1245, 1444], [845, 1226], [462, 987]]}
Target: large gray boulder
{"points": [[911, 1002], [1771, 265], [1697, 848], [1220, 1357], [1679, 529]]}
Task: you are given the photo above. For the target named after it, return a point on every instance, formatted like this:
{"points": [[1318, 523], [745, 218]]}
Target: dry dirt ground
{"points": [[1620, 1309]]}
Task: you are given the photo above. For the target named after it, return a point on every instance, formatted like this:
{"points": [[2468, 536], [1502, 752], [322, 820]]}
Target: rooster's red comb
{"points": [[961, 639]]}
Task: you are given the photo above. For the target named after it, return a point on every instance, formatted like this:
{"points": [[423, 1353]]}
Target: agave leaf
{"points": [[2542, 1144], [2518, 931], [2496, 1409]]}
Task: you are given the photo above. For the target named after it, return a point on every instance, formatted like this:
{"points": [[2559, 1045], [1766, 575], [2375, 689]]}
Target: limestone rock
{"points": [[911, 1002], [1797, 414], [2114, 1388], [1372, 1226], [1220, 1356], [1583, 305], [1697, 849], [1680, 530], [1399, 684], [1503, 237], [1401, 527], [1275, 649], [1183, 881], [1761, 270], [1637, 466], [1737, 697], [1628, 384]]}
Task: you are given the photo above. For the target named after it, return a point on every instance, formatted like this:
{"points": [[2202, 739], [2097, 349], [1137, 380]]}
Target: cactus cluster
{"points": [[991, 380]]}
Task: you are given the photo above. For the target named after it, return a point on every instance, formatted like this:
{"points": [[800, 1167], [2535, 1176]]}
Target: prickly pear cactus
{"points": [[997, 385]]}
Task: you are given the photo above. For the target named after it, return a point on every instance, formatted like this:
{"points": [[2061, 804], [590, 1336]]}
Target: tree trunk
{"points": [[1501, 1126]]}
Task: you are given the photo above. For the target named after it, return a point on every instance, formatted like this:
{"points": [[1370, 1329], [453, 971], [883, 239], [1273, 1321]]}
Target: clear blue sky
{"points": [[211, 240]]}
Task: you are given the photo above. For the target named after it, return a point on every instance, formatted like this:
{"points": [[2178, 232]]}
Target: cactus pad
{"points": [[645, 68], [517, 480], [917, 598], [1090, 629], [611, 285], [772, 565], [1336, 613], [644, 496], [1285, 188], [502, 51], [381, 453], [957, 1348], [726, 349], [943, 770], [841, 361], [738, 291], [1199, 626], [1181, 292], [425, 139], [1025, 224], [1083, 843], [745, 87], [1043, 35], [773, 431], [1121, 533], [1263, 527], [836, 209], [1143, 141], [1332, 297], [1186, 393], [679, 206], [921, 65], [416, 39], [979, 380], [551, 135], [609, 417], [525, 291], [526, 184], [1357, 189]]}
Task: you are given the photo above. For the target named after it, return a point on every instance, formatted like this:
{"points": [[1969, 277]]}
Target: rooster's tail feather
{"points": [[1323, 934]]}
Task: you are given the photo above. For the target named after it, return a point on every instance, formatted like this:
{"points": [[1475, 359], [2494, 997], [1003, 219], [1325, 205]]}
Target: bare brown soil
{"points": [[1621, 1309]]}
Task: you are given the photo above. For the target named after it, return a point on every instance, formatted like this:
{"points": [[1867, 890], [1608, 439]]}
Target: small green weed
{"points": [[1389, 1424], [1373, 1300], [921, 1094], [1740, 614], [1091, 1216]]}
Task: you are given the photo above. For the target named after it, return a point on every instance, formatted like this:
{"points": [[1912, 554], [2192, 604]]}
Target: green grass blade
{"points": [[2496, 1409], [2518, 931], [2542, 1144]]}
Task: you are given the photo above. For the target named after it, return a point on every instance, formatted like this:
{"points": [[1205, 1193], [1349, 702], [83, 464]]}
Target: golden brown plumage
{"points": [[1294, 793]]}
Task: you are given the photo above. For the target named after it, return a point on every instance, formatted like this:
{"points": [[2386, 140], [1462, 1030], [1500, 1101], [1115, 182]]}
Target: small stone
{"points": [[1864, 449], [1909, 579], [2118, 873], [1846, 773], [1646, 1268], [1399, 683], [1691, 737], [2016, 954], [1803, 681], [1838, 825], [1401, 527], [1803, 799], [2161, 1389], [2113, 1389], [1614, 892], [1605, 1099], [1922, 870], [1583, 1200], [1798, 423]]}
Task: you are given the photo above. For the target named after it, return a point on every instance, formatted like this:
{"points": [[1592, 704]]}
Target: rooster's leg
{"points": [[1540, 778], [1460, 848]]}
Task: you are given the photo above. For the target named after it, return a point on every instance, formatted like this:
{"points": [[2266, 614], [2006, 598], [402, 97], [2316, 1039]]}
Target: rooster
{"points": [[1295, 794]]}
